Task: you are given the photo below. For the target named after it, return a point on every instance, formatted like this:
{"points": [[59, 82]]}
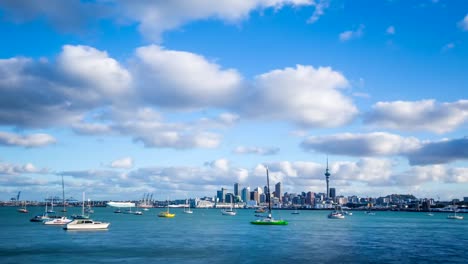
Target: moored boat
{"points": [[86, 224], [58, 221], [269, 220]]}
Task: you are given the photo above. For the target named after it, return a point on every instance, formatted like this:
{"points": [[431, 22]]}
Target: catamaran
{"points": [[269, 219]]}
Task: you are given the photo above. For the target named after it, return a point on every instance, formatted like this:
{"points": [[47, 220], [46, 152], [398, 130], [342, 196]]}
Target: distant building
{"points": [[245, 195], [221, 195], [332, 193], [278, 191], [236, 189], [310, 198], [465, 199]]}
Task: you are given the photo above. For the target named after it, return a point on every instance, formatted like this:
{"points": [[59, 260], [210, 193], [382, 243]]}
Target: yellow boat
{"points": [[166, 214]]}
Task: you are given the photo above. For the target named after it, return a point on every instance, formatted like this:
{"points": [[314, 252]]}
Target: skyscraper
{"points": [[278, 191], [245, 194], [327, 177], [332, 193], [236, 189]]}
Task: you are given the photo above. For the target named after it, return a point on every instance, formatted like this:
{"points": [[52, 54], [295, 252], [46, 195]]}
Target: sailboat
{"points": [[455, 216], [229, 211], [187, 211], [337, 214], [166, 214], [82, 216], [62, 220], [295, 211], [23, 208], [269, 220]]}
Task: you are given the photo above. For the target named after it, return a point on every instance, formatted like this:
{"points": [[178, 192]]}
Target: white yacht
{"points": [[229, 211], [58, 221], [86, 224]]}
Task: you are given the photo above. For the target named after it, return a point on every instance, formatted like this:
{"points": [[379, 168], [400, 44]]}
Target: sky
{"points": [[180, 98]]}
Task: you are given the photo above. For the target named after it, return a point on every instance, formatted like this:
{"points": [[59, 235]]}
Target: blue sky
{"points": [[181, 98]]}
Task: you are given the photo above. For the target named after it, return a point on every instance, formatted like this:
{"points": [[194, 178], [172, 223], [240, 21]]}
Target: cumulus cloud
{"points": [[123, 163], [439, 152], [14, 169], [463, 24], [182, 79], [371, 144], [33, 140], [352, 34], [256, 150], [95, 71], [305, 95], [32, 95], [155, 17], [424, 115]]}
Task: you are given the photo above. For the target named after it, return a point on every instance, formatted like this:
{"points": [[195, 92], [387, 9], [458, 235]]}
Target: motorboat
{"points": [[40, 218], [58, 221], [86, 224]]}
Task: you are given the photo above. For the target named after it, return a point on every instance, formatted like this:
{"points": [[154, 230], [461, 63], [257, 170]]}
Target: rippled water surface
{"points": [[206, 236]]}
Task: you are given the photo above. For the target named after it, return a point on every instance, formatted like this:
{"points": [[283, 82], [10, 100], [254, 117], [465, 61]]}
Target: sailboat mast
{"points": [[63, 195], [268, 194]]}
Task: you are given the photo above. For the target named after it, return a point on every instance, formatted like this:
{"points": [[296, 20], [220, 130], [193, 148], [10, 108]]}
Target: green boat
{"points": [[269, 219]]}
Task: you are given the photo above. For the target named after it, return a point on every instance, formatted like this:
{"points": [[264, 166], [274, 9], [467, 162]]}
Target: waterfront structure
{"points": [[278, 191], [327, 178]]}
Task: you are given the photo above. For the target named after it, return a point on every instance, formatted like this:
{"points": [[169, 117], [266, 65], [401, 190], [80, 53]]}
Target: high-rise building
{"points": [[332, 193], [221, 195], [236, 189], [278, 191], [245, 194]]}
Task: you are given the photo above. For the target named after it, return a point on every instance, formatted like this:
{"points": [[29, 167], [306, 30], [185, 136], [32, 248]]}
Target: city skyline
{"points": [[179, 98]]}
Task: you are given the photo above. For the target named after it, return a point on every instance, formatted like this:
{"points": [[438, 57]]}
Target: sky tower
{"points": [[327, 177]]}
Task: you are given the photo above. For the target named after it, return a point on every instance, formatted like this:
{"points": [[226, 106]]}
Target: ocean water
{"points": [[206, 236]]}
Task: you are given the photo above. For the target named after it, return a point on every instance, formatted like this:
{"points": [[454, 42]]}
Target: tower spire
{"points": [[327, 177]]}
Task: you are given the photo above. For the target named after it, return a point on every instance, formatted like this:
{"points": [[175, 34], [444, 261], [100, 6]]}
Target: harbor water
{"points": [[207, 236]]}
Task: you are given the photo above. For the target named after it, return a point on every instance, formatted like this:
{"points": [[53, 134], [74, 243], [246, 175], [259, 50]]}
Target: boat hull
{"points": [[86, 225], [272, 222]]}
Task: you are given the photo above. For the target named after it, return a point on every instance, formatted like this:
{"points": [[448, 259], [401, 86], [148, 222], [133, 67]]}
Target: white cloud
{"points": [[123, 163], [352, 34], [391, 30], [156, 17], [305, 95], [13, 169], [256, 150], [95, 71], [463, 24], [425, 115], [33, 140], [183, 79], [371, 144], [319, 10]]}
